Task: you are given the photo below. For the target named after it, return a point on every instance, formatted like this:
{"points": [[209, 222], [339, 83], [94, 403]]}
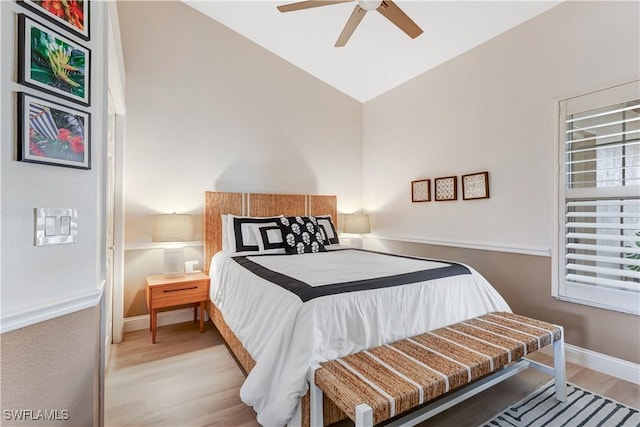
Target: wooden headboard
{"points": [[257, 204]]}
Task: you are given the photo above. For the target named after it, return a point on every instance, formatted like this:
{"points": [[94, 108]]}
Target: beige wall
{"points": [[208, 109], [493, 109], [523, 281], [53, 365]]}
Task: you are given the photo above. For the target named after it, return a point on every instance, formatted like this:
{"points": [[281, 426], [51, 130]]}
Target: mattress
{"points": [[293, 311]]}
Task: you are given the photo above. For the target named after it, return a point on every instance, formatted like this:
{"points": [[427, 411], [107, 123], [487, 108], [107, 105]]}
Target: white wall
{"points": [[492, 109], [208, 109], [44, 282]]}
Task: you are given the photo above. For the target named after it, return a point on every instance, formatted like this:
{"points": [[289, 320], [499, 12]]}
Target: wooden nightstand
{"points": [[188, 289]]}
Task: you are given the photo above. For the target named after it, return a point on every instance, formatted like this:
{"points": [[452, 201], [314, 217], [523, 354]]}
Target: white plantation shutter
{"points": [[598, 250]]}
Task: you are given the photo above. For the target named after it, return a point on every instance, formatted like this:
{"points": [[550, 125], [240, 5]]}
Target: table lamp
{"points": [[357, 223], [173, 229]]}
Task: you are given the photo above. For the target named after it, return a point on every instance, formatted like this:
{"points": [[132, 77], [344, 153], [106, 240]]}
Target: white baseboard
{"points": [[609, 365], [137, 323]]}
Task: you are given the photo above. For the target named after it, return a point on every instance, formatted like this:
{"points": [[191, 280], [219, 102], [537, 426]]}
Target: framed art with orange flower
{"points": [[52, 63], [52, 133], [72, 15], [421, 190]]}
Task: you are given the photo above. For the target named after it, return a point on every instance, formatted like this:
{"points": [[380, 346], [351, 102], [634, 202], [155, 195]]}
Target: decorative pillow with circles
{"points": [[301, 235]]}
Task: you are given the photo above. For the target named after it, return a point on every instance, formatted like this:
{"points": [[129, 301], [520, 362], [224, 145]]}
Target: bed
{"points": [[279, 316]]}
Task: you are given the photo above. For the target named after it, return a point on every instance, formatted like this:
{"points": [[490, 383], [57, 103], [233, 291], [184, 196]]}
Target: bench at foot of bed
{"points": [[454, 362]]}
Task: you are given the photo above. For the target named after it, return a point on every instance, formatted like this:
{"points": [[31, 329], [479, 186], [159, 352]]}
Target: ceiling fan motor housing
{"points": [[369, 4]]}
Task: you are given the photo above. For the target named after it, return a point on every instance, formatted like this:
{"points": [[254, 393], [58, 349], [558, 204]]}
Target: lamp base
{"points": [[173, 262]]}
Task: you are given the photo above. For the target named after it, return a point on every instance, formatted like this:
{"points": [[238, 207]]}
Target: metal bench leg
{"points": [[559, 370], [315, 405], [364, 415]]}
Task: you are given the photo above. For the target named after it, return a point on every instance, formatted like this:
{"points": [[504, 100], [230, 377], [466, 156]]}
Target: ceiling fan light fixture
{"points": [[369, 5], [387, 8]]}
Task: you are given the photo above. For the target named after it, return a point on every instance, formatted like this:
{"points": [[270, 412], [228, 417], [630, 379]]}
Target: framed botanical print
{"points": [[475, 186], [446, 188], [52, 63], [72, 15], [52, 133], [421, 190]]}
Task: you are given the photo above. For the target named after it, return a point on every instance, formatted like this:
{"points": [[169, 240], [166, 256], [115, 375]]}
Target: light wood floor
{"points": [[191, 379]]}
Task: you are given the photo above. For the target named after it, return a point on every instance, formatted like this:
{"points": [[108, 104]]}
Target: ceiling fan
{"points": [[386, 7]]}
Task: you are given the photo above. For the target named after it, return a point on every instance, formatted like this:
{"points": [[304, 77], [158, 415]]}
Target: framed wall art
{"points": [[475, 186], [72, 15], [445, 188], [52, 63], [421, 190], [52, 133]]}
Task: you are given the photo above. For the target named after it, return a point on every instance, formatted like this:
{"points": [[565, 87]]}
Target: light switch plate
{"points": [[55, 226]]}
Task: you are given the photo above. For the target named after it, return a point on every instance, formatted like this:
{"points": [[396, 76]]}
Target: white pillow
{"points": [[226, 246]]}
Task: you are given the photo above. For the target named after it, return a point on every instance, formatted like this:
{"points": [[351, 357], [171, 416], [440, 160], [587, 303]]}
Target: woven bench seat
{"points": [[380, 383]]}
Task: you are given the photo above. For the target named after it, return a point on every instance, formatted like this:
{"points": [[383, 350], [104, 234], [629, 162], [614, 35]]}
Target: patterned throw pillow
{"points": [[301, 235]]}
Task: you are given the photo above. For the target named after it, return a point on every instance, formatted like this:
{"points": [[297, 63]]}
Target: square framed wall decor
{"points": [[445, 188], [475, 186], [421, 190]]}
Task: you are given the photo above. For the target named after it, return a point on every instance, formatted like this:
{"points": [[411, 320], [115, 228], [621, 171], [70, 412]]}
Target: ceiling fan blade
{"points": [[352, 23], [394, 14], [308, 4]]}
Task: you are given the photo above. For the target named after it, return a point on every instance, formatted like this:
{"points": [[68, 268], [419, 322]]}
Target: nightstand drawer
{"points": [[179, 293]]}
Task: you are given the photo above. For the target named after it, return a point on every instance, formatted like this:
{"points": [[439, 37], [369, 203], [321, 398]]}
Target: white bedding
{"points": [[286, 336]]}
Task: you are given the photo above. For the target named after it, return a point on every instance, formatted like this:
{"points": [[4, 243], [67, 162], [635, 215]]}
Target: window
{"points": [[597, 261]]}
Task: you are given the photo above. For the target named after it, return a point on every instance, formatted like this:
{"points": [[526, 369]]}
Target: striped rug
{"points": [[583, 408]]}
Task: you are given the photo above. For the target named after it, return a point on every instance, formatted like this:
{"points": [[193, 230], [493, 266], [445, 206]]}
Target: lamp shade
{"points": [[172, 228], [357, 223]]}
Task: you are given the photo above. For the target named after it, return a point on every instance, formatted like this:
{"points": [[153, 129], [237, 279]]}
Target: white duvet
{"points": [[286, 336]]}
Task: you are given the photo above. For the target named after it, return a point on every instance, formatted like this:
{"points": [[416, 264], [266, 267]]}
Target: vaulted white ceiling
{"points": [[379, 56]]}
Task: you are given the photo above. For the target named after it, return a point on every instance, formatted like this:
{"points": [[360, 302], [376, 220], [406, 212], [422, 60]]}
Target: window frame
{"points": [[610, 299]]}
